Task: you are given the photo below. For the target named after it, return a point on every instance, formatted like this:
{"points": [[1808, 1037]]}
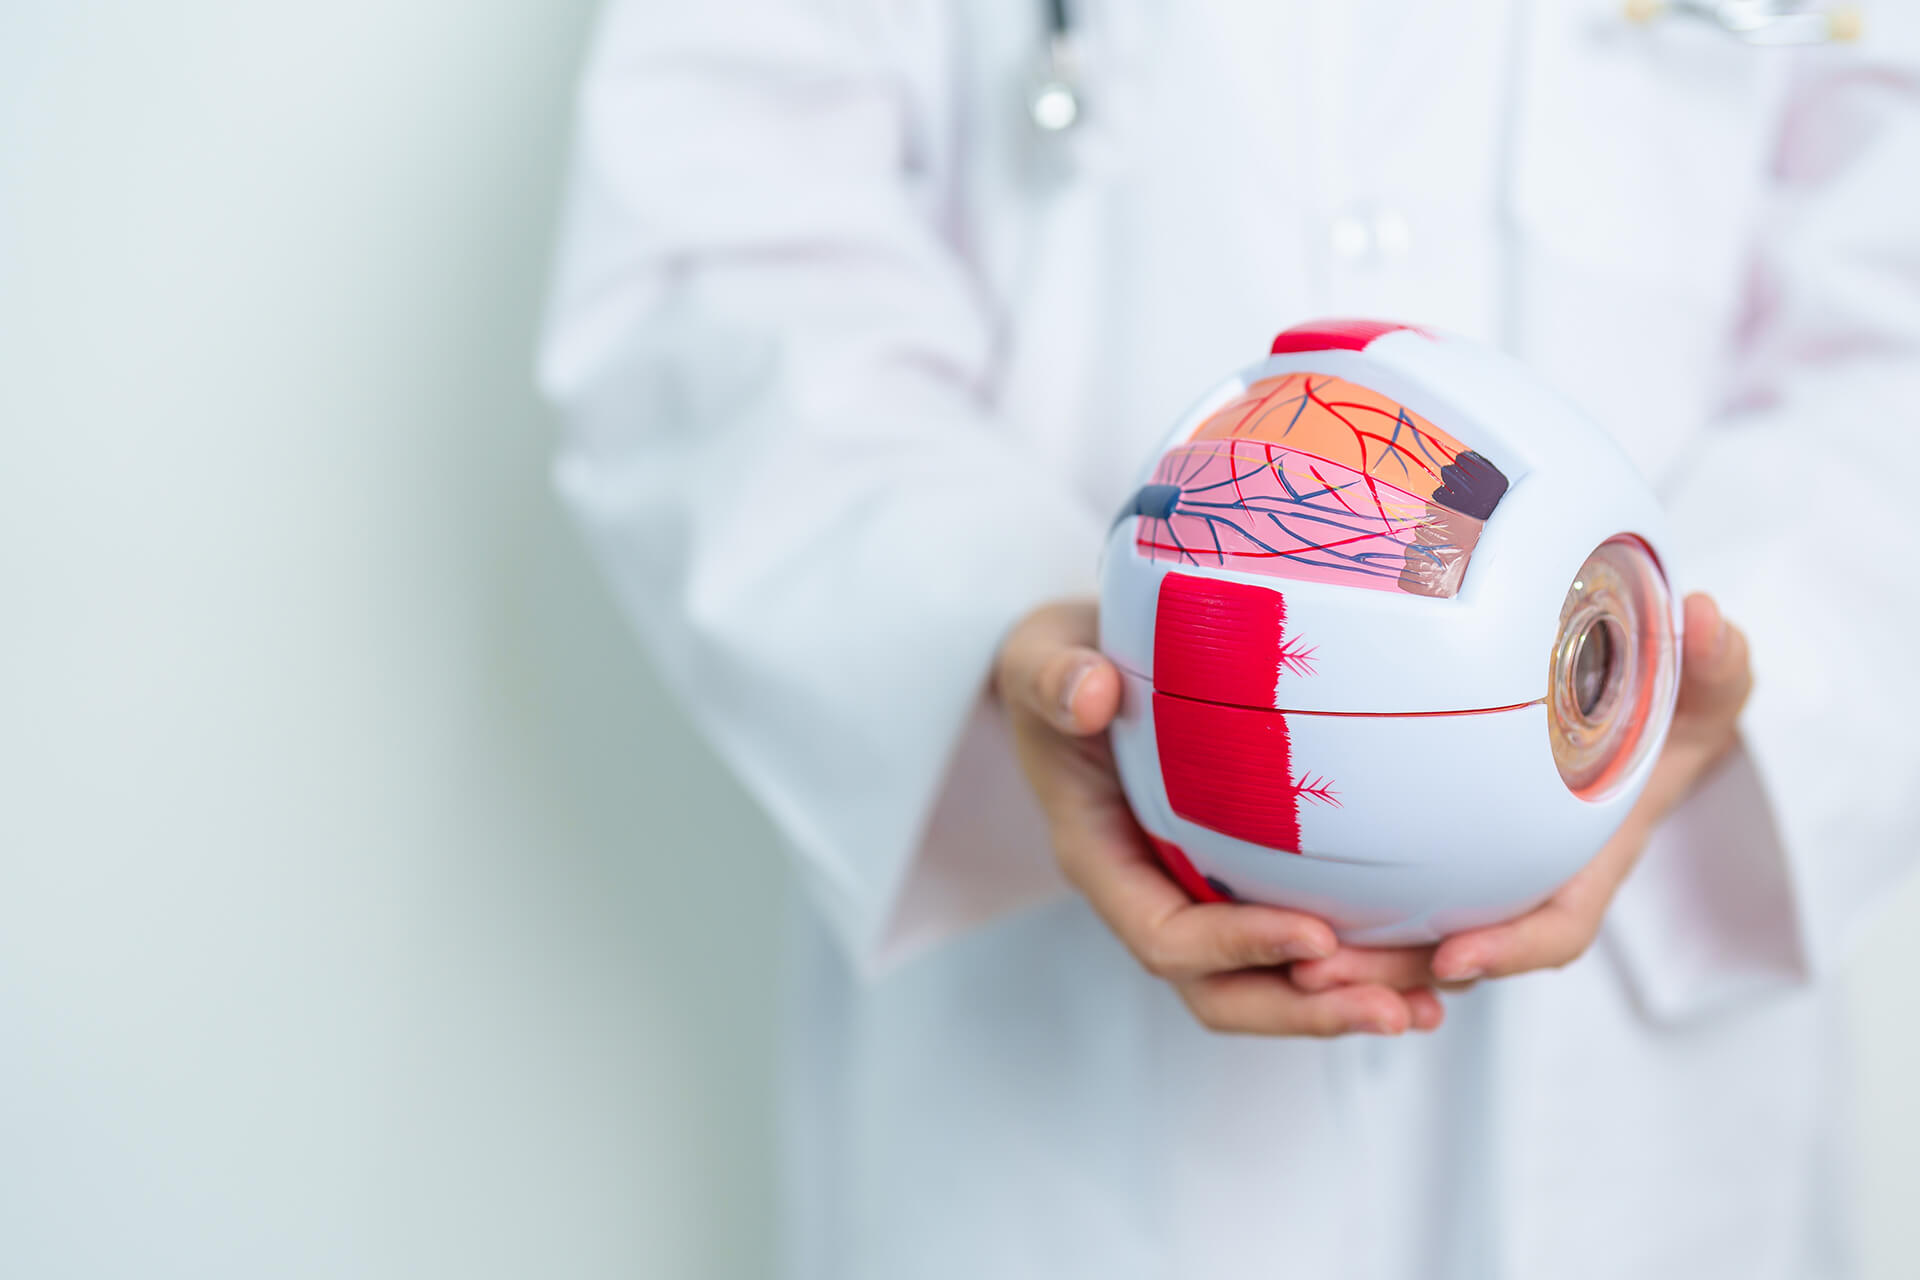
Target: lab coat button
{"points": [[1350, 237], [1392, 233]]}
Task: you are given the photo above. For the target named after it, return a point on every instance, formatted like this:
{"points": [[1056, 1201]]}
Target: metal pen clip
{"points": [[1757, 22]]}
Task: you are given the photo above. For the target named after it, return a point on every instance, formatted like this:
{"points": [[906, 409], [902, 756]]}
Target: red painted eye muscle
{"points": [[1220, 651]]}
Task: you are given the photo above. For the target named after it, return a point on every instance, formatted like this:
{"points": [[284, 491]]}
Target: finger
{"points": [[1706, 629], [1396, 967], [1715, 675], [1547, 937], [1050, 667], [1206, 938], [1175, 938], [1426, 1008], [1172, 936], [1263, 1002], [1089, 692]]}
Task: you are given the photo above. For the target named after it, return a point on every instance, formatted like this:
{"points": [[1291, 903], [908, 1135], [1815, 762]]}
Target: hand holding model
{"points": [[1247, 967], [1326, 615], [1226, 959]]}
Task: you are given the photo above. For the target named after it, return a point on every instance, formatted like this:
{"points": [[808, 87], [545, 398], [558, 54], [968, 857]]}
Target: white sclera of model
{"points": [[1445, 821]]}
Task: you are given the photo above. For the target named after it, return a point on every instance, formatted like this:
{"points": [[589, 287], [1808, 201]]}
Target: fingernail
{"points": [[1720, 639], [1304, 949], [1307, 980], [1457, 974], [1382, 1025], [1071, 688]]}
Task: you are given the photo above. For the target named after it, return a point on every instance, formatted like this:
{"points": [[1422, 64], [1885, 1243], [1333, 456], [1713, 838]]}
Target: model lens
{"points": [[1596, 668], [1612, 670]]}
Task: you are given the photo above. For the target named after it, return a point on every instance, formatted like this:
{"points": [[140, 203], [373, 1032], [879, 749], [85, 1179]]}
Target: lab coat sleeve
{"points": [[776, 373], [1795, 512]]}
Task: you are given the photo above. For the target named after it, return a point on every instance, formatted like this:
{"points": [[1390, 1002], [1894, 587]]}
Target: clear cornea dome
{"points": [[1613, 665]]}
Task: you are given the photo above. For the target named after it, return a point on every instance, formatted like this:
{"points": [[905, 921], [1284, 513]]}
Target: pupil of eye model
{"points": [[1593, 665]]}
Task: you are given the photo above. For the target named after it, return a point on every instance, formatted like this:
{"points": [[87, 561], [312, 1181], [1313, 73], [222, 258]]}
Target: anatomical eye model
{"points": [[1397, 644]]}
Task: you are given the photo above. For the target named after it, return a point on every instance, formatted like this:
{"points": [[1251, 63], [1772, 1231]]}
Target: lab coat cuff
{"points": [[1710, 916], [982, 850], [985, 853]]}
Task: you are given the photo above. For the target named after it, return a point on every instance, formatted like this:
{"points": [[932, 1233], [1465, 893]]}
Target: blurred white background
{"points": [[364, 908]]}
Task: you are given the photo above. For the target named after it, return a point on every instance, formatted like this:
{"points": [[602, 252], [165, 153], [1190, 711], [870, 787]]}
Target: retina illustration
{"points": [[1314, 478]]}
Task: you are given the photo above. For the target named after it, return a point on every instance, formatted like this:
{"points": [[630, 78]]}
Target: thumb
{"points": [[1049, 667], [1714, 674]]}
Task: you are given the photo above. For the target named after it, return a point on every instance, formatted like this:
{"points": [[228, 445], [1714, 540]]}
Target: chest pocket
{"points": [[1640, 149], [1639, 157]]}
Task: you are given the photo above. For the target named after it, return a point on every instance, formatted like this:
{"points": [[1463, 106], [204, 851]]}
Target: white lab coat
{"points": [[856, 369]]}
